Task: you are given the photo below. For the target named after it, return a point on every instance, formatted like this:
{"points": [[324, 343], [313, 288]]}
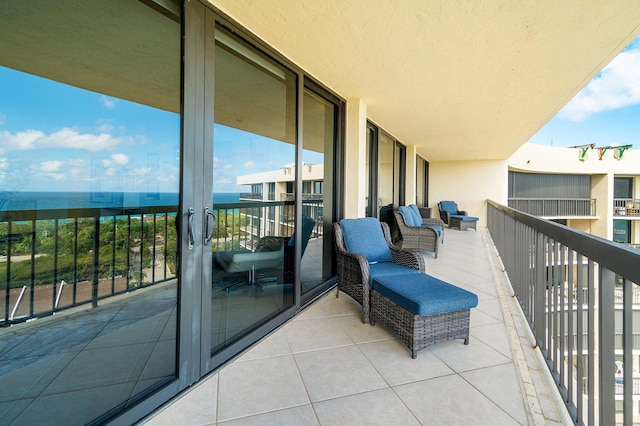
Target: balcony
{"points": [[626, 207], [340, 371], [554, 207]]}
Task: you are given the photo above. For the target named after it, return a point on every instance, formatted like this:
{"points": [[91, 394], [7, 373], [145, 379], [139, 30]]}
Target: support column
{"points": [[355, 157], [412, 167]]}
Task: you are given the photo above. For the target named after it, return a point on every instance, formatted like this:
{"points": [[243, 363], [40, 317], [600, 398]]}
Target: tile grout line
{"points": [[532, 406]]}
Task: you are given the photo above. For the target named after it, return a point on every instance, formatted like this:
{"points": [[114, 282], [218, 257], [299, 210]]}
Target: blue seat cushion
{"points": [[463, 218], [408, 216], [364, 236], [384, 269], [438, 229], [423, 294], [417, 217], [449, 206]]}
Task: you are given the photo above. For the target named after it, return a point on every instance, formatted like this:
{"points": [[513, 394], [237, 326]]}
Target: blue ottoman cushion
{"points": [[463, 218], [423, 294], [438, 229]]}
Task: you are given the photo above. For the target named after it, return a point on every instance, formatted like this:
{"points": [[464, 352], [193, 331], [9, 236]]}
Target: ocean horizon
{"points": [[41, 200]]}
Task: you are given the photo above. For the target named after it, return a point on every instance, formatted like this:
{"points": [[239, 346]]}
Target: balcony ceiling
{"points": [[462, 80]]}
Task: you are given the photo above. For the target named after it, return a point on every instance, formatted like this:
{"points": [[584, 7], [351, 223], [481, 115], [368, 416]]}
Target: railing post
{"points": [[96, 261], [630, 383], [540, 325], [607, 347]]}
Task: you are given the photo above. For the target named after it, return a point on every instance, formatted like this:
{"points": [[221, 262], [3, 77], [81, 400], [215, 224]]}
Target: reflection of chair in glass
{"points": [[273, 257], [269, 253], [364, 251], [290, 252]]}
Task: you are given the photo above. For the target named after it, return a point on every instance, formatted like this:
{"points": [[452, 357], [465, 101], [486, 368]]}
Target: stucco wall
{"points": [[468, 183]]}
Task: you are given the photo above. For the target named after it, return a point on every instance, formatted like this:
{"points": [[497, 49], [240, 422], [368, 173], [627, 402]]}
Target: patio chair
{"points": [[417, 236], [363, 251], [455, 218]]}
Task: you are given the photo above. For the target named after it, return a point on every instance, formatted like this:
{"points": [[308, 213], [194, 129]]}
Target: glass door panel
{"points": [[253, 174], [89, 173], [317, 203]]}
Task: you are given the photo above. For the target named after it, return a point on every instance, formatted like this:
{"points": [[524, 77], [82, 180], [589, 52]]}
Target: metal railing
{"points": [[539, 257], [555, 207], [57, 259], [52, 260], [626, 207]]}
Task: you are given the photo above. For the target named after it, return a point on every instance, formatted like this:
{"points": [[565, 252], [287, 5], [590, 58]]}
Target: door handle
{"points": [[190, 231], [208, 227]]}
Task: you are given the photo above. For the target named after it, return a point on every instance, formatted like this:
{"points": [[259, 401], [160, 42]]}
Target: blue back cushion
{"points": [[364, 236], [449, 206], [407, 215], [417, 217]]}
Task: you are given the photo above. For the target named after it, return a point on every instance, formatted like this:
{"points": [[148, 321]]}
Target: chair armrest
{"points": [[433, 221], [444, 216], [462, 213], [408, 258]]}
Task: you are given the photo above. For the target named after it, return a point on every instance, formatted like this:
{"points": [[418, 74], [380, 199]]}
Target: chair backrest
{"points": [[307, 228], [408, 216], [364, 236], [448, 206], [417, 217]]}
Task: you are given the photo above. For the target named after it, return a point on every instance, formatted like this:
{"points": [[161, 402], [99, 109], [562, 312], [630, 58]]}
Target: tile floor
{"points": [[327, 368]]}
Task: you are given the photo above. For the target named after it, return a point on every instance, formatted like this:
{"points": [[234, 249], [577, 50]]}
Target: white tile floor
{"points": [[326, 367]]}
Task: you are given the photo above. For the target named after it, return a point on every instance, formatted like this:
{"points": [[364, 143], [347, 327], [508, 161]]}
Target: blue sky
{"points": [[605, 112]]}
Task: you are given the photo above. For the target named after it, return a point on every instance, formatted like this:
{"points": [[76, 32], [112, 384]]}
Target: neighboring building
{"points": [[579, 187]]}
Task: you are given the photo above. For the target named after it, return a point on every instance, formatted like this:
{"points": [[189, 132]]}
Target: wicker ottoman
{"points": [[421, 309], [462, 222]]}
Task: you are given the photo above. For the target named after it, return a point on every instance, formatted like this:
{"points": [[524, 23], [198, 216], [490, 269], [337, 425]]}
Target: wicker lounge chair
{"points": [[419, 233], [364, 250], [455, 218]]}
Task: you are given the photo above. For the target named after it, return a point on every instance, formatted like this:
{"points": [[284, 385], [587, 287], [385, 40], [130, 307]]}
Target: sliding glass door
{"points": [[89, 182], [254, 162]]}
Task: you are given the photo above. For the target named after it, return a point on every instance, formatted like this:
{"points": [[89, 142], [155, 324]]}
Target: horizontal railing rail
{"points": [[549, 264], [555, 207]]}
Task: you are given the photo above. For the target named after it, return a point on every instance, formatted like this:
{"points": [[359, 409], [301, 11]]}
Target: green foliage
{"points": [[123, 245]]}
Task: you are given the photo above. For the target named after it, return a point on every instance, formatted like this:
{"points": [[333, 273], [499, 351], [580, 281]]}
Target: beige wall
{"points": [[468, 183], [602, 191], [355, 196], [583, 225]]}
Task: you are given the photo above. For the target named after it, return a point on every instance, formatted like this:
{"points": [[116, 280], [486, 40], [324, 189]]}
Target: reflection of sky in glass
{"points": [[55, 137], [238, 153]]}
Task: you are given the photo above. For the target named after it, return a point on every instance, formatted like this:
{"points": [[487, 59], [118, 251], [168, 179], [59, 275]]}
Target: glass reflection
{"points": [[253, 190], [89, 176]]}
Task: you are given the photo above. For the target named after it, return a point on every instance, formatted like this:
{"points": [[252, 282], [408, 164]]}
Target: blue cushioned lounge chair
{"points": [[455, 218], [364, 250]]}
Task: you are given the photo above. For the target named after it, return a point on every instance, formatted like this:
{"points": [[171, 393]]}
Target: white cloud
{"points": [[64, 138], [51, 166], [142, 171], [249, 164], [617, 86], [228, 166], [108, 102], [116, 160], [110, 171]]}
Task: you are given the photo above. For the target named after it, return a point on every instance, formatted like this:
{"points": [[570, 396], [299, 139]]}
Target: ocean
{"points": [[77, 200]]}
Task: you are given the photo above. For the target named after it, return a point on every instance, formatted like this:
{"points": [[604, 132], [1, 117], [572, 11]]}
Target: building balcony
{"points": [[340, 371], [565, 208], [626, 208]]}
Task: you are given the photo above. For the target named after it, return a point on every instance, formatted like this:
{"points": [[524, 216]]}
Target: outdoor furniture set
{"points": [[418, 232], [393, 288], [455, 218]]}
